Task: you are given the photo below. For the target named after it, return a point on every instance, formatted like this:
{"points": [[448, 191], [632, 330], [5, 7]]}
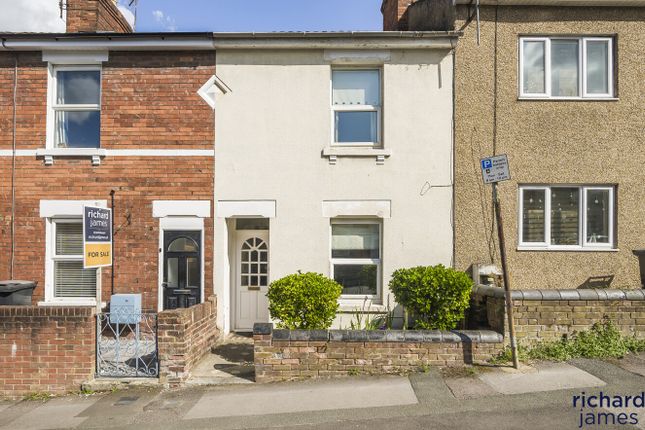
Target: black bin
{"points": [[16, 293]]}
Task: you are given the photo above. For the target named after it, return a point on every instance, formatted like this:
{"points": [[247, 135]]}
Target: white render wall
{"points": [[271, 129]]}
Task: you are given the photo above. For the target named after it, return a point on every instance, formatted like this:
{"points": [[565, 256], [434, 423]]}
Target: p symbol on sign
{"points": [[487, 163]]}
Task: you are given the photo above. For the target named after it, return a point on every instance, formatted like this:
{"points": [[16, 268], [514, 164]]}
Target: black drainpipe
{"points": [[113, 242]]}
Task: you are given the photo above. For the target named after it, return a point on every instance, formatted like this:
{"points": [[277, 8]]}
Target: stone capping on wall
{"points": [[402, 336], [563, 294]]}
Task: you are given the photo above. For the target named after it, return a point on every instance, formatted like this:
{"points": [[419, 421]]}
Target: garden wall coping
{"points": [[416, 336], [563, 294]]}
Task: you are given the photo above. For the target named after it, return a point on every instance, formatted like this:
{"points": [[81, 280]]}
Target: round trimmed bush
{"points": [[304, 301], [435, 296]]}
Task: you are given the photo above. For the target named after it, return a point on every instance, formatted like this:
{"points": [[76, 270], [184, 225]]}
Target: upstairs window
{"points": [[567, 217], [76, 107], [566, 67], [356, 106]]}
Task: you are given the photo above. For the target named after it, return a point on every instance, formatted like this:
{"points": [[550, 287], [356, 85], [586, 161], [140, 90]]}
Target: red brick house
{"points": [[107, 117]]}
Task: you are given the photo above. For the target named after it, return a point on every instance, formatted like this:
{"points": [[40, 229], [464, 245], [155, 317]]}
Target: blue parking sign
{"points": [[495, 169]]}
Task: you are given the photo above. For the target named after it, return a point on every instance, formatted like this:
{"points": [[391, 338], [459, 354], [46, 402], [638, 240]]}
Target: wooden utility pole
{"points": [[507, 282]]}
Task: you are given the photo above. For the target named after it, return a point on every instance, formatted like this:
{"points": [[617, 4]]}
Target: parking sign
{"points": [[495, 169]]}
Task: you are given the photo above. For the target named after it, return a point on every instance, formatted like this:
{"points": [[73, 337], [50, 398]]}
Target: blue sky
{"points": [[257, 15]]}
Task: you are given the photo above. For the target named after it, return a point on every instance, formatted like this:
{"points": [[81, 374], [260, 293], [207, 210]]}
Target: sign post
{"points": [[97, 241], [495, 169]]}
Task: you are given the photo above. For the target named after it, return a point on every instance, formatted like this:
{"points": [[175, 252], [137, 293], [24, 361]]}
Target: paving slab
{"points": [[634, 363], [53, 414], [543, 376], [469, 388], [309, 396]]}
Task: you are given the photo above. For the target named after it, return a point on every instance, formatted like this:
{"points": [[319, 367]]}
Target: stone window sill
{"points": [[563, 249], [94, 153], [72, 302], [333, 152]]}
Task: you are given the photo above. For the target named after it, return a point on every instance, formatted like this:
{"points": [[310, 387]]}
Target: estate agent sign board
{"points": [[97, 237]]}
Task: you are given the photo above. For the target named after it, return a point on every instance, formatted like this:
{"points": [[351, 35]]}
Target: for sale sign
{"points": [[97, 237]]}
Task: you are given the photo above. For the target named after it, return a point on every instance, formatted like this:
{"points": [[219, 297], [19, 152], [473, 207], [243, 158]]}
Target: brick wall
{"points": [[95, 16], [395, 14], [185, 336], [45, 349], [550, 314], [149, 101], [282, 355]]}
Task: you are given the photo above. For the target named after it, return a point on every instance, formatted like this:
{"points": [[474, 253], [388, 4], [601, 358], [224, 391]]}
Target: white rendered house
{"points": [[334, 155]]}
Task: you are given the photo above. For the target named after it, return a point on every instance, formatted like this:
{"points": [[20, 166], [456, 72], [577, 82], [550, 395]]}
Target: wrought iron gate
{"points": [[126, 344]]}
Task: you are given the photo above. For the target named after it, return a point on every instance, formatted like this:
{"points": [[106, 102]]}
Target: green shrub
{"points": [[435, 296], [304, 301]]}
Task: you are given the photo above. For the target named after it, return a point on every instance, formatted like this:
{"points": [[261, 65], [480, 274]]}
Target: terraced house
{"points": [[558, 86], [351, 154]]}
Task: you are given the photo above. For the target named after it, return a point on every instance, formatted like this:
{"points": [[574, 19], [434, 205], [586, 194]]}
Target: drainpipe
{"points": [[13, 167], [113, 243]]}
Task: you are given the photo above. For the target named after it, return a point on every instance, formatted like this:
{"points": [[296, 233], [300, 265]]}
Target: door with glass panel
{"points": [[251, 277], [182, 271]]}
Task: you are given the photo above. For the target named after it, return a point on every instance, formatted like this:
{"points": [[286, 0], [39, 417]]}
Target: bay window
{"points": [[356, 257], [566, 67], [566, 217]]}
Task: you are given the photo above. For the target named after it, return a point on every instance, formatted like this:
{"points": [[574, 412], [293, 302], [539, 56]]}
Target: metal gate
{"points": [[126, 344]]}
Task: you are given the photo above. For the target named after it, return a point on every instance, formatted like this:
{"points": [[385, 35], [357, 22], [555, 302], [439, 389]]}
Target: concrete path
{"points": [[539, 377], [421, 401], [306, 396], [230, 362]]}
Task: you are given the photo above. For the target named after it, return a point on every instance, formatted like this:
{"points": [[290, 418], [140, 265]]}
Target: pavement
{"points": [[539, 396]]}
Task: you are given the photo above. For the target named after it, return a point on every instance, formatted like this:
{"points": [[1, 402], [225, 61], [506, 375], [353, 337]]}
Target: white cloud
{"points": [[31, 15], [167, 22]]}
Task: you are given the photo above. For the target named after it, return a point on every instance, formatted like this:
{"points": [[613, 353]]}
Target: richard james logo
{"points": [[600, 409]]}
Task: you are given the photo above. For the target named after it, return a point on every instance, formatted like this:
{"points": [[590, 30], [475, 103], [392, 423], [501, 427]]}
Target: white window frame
{"points": [[52, 257], [583, 245], [53, 106], [582, 68], [362, 108], [352, 298]]}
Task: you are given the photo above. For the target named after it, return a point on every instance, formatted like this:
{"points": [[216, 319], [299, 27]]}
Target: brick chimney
{"points": [[418, 15], [395, 14], [95, 16]]}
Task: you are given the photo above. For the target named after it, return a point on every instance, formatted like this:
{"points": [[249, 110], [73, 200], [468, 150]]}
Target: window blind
{"points": [[71, 280]]}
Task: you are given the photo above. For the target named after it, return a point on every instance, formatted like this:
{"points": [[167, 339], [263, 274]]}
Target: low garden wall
{"points": [[185, 336], [45, 349], [282, 355], [549, 314]]}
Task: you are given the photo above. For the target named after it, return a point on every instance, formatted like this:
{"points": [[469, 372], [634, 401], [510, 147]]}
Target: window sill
{"points": [[347, 307], [568, 99], [565, 249], [94, 153], [333, 152], [72, 302]]}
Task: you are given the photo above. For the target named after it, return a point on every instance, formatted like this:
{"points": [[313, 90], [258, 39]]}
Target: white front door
{"points": [[251, 278]]}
